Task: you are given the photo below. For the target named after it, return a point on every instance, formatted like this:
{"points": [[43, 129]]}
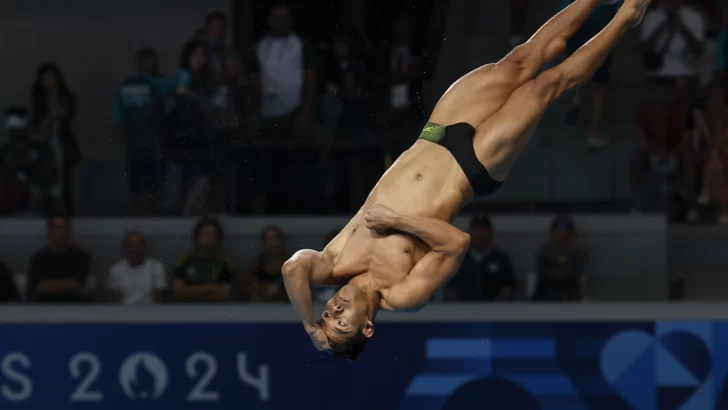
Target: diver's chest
{"points": [[383, 257]]}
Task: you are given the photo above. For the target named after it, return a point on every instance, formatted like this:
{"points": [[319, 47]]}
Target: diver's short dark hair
{"points": [[351, 348]]}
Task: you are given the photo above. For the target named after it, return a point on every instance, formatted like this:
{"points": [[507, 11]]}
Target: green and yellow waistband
{"points": [[433, 132]]}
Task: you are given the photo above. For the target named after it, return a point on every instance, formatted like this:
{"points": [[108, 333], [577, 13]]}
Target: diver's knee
{"points": [[524, 61]]}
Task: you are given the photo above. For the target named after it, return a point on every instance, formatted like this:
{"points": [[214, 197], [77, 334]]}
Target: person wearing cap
{"points": [[486, 273], [560, 264], [27, 166]]}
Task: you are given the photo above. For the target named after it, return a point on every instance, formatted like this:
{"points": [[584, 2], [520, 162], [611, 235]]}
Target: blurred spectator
{"points": [[205, 274], [345, 78], [560, 265], [407, 66], [138, 279], [139, 112], [599, 19], [60, 271], [655, 168], [8, 291], [226, 69], [346, 109], [193, 77], [486, 273], [285, 78], [673, 36], [225, 61], [27, 167], [286, 74], [224, 107], [188, 148], [265, 271], [711, 124], [53, 108]]}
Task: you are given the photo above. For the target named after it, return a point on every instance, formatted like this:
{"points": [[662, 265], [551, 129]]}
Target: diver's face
{"points": [[346, 313]]}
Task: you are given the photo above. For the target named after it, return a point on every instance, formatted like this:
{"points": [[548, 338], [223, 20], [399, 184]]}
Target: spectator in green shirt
{"points": [[205, 274]]}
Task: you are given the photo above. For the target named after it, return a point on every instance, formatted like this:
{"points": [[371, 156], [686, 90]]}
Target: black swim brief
{"points": [[458, 139]]}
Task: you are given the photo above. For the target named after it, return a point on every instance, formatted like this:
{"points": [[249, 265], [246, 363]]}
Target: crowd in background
{"points": [[296, 126], [681, 152], [238, 132], [37, 161], [62, 272], [680, 163]]}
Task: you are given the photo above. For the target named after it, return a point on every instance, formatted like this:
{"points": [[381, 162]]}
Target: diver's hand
{"points": [[319, 339], [380, 218]]}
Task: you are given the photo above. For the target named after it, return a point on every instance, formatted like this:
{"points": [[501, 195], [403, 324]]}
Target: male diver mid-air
{"points": [[400, 247]]}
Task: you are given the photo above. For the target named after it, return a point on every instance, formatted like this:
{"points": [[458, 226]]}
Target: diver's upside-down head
{"points": [[346, 320]]}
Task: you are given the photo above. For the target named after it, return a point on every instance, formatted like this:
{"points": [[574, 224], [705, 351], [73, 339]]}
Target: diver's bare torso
{"points": [[425, 181], [379, 260]]}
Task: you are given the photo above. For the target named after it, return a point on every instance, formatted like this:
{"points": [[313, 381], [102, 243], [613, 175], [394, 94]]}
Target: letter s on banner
{"points": [[7, 370], [261, 383]]}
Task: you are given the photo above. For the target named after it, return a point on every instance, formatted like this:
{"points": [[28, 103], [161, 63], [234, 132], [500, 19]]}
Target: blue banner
{"points": [[537, 366]]}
